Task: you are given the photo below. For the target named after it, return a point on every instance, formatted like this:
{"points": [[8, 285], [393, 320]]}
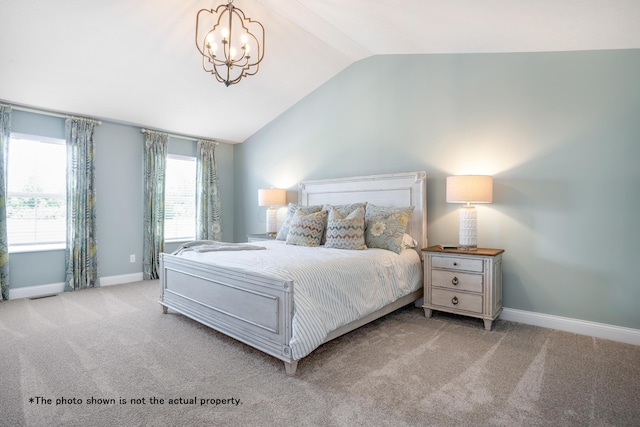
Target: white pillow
{"points": [[408, 242]]}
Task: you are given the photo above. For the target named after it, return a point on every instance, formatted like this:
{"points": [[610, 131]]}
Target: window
{"points": [[36, 187], [180, 198]]}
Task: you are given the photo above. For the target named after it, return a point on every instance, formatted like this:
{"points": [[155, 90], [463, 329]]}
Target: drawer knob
{"points": [[454, 300], [455, 264], [454, 281]]}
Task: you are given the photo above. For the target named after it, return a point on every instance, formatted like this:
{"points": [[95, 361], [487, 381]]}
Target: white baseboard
{"points": [[123, 278], [36, 291], [57, 288], [582, 327]]}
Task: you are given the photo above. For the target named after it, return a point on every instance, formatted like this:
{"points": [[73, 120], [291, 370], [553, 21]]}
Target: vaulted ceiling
{"points": [[135, 61]]}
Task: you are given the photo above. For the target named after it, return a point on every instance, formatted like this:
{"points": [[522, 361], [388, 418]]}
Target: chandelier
{"points": [[231, 45]]}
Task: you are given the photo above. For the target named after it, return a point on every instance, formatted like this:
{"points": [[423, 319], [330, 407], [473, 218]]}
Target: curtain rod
{"points": [[173, 135], [47, 113], [68, 116]]}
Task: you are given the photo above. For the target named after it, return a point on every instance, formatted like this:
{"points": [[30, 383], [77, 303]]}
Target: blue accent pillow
{"points": [[385, 226]]}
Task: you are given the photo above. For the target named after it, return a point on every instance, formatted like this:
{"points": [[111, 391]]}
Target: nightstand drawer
{"points": [[457, 280], [457, 263], [457, 300]]}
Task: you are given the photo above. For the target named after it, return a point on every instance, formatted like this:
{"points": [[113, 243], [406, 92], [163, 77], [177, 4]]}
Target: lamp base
{"points": [[272, 221], [468, 234], [468, 248]]}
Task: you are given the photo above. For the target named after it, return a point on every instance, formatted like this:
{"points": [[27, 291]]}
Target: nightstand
{"points": [[260, 237], [464, 282]]}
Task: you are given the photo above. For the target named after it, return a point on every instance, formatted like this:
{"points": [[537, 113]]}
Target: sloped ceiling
{"points": [[135, 61]]}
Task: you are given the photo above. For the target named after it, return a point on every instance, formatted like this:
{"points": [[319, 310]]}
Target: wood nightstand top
{"points": [[479, 251], [261, 236]]}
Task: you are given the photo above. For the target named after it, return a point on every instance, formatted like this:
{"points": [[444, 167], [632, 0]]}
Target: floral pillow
{"points": [[345, 232], [306, 229], [284, 230], [385, 226]]}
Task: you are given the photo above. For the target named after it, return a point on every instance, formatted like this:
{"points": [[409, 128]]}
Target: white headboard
{"points": [[404, 189]]}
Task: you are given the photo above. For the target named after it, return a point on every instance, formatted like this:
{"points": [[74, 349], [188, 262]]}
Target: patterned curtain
{"points": [[81, 253], [155, 159], [5, 131], [208, 225]]}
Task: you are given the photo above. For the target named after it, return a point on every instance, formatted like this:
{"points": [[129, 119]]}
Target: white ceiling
{"points": [[135, 61]]}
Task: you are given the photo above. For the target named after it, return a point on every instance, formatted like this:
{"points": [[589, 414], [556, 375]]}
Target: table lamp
{"points": [[272, 197], [469, 189]]}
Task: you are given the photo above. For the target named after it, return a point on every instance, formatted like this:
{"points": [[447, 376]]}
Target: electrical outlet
{"points": [[132, 258]]}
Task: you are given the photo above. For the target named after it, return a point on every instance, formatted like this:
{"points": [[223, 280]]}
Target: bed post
{"points": [[290, 368]]}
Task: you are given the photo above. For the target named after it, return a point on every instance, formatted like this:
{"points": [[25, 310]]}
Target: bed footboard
{"points": [[249, 307]]}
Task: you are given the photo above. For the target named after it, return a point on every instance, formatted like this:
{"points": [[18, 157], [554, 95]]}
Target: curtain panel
{"points": [[5, 133], [155, 159], [208, 226], [81, 253]]}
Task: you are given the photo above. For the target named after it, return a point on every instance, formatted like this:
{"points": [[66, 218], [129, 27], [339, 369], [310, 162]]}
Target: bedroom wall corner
{"points": [[557, 130]]}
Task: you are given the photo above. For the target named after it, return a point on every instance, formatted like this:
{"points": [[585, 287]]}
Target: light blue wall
{"points": [[119, 207], [119, 193], [560, 133]]}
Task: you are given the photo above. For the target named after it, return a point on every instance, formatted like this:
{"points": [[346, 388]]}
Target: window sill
{"points": [[37, 248], [180, 240]]}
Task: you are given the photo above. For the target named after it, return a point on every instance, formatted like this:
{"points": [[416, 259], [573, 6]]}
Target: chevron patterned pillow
{"points": [[291, 210], [343, 210], [345, 232], [306, 229]]}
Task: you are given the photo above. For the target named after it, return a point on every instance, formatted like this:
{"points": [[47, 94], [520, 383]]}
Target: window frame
{"points": [[36, 247], [180, 239]]}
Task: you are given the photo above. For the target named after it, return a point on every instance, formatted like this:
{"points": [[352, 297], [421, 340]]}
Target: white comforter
{"points": [[332, 287]]}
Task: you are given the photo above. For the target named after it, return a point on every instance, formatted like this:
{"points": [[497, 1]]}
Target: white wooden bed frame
{"points": [[257, 309]]}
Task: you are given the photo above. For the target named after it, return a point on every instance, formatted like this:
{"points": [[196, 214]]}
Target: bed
{"points": [[266, 298]]}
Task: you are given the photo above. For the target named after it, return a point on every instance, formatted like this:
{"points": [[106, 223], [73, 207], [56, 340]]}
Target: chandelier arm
{"points": [[257, 67], [242, 17], [197, 26]]}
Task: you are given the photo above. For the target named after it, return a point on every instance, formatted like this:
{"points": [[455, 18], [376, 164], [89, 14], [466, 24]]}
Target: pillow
{"points": [[306, 229], [345, 232], [408, 242], [343, 210], [385, 226], [284, 230]]}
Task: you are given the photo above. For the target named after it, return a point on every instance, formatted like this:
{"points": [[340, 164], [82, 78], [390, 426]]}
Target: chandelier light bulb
{"points": [[225, 33], [211, 46]]}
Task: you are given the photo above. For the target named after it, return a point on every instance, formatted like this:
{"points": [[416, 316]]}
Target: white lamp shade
{"points": [[470, 189], [272, 197]]}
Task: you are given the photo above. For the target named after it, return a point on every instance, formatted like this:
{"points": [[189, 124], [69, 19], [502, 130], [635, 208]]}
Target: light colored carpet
{"points": [[114, 343]]}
